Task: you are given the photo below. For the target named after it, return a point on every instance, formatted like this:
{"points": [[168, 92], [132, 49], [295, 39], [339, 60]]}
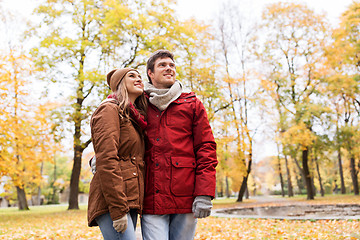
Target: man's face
{"points": [[164, 73]]}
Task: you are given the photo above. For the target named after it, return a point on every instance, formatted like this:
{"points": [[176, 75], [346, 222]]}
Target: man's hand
{"points": [[120, 225], [202, 206]]}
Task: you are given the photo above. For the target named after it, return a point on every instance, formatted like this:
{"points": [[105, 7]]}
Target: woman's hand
{"points": [[120, 225]]}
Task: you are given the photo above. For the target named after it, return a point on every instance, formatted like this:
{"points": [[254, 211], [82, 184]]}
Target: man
{"points": [[180, 156]]}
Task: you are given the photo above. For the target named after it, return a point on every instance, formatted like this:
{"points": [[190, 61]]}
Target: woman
{"points": [[117, 188]]}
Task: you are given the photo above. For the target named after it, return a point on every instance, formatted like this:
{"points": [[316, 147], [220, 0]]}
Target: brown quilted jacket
{"points": [[118, 184]]}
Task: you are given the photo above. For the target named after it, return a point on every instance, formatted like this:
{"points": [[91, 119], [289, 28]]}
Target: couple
{"points": [[155, 156]]}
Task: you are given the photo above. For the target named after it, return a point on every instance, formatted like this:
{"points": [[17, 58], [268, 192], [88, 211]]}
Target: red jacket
{"points": [[180, 156]]}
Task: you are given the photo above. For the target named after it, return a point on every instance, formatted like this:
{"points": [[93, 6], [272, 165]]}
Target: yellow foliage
{"points": [[347, 40], [27, 140], [299, 135]]}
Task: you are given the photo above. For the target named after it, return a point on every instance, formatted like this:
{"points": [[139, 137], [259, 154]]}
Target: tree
{"points": [[280, 174], [320, 148], [292, 52], [234, 36], [25, 143], [81, 40], [289, 181], [343, 86], [58, 172], [16, 144]]}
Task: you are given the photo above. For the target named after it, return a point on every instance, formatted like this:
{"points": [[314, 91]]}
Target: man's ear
{"points": [[150, 73]]}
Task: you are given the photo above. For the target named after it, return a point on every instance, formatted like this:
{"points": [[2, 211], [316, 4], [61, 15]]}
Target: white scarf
{"points": [[161, 98]]}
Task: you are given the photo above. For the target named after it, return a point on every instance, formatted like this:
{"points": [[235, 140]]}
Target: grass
{"points": [[43, 209], [46, 222], [229, 202]]}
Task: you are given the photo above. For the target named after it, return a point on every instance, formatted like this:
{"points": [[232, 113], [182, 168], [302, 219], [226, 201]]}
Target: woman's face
{"points": [[134, 85]]}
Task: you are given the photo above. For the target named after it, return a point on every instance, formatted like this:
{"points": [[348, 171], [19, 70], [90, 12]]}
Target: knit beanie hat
{"points": [[115, 76]]}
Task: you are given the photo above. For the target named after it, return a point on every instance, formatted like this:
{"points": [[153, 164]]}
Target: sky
{"points": [[206, 10], [203, 10]]}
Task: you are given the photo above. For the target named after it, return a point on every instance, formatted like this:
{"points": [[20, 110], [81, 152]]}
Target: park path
{"points": [[273, 201], [275, 207]]}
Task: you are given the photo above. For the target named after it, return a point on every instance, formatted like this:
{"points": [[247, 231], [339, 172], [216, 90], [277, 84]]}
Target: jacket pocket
{"points": [[182, 176], [131, 183]]}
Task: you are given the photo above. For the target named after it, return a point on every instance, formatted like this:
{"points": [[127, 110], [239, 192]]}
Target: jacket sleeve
{"points": [[205, 153], [105, 130]]}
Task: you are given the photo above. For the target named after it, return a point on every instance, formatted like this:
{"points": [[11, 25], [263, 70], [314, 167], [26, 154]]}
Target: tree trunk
{"points": [[341, 172], [74, 181], [319, 176], [53, 197], [242, 189], [254, 190], [300, 181], [309, 188], [290, 187], [39, 188], [38, 197], [354, 175], [247, 192], [244, 182], [227, 187], [221, 194], [21, 196], [281, 178], [78, 146], [313, 179], [313, 186]]}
